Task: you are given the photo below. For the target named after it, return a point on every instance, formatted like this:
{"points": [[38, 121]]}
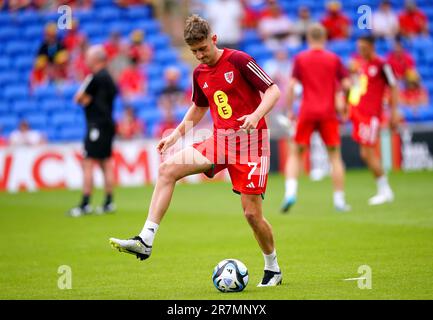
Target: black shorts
{"points": [[99, 141]]}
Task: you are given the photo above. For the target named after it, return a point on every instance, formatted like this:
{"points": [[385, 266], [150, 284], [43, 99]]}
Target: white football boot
{"points": [[271, 279], [135, 246], [383, 196]]}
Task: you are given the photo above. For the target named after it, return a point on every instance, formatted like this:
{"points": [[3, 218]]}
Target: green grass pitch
{"points": [[317, 247]]}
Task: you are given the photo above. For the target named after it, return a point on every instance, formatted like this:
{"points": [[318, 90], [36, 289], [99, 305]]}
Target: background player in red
{"points": [[228, 82], [322, 76], [366, 112]]}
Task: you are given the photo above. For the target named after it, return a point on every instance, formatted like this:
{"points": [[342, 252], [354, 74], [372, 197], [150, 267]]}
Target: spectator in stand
{"points": [[276, 29], [279, 68], [40, 72], [167, 124], [172, 94], [73, 37], [303, 22], [413, 22], [74, 4], [129, 126], [117, 54], [337, 24], [413, 93], [80, 69], [250, 16], [132, 83], [61, 71], [138, 49], [113, 45], [400, 59], [51, 44], [24, 136], [228, 26], [385, 21]]}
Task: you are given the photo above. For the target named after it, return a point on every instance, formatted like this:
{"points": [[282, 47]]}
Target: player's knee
{"points": [[166, 171]]}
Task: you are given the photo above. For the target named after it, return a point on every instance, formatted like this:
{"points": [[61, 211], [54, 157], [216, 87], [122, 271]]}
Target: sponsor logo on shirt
{"points": [[222, 101]]}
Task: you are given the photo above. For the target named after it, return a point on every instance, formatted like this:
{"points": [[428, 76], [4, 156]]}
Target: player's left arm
{"points": [[393, 101], [269, 99], [260, 81]]}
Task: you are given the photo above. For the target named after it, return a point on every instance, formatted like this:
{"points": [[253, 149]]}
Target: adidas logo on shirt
{"points": [[251, 185], [205, 85]]}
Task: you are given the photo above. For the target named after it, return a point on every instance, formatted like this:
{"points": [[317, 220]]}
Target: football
{"points": [[230, 275]]}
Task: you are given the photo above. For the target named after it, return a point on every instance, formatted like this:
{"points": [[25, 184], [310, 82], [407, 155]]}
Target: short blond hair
{"points": [[316, 32], [196, 30]]}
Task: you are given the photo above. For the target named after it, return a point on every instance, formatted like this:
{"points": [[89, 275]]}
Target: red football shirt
{"points": [[319, 72], [231, 88], [412, 22], [375, 76]]}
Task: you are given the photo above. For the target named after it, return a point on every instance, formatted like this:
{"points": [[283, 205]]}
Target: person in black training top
{"points": [[96, 96]]}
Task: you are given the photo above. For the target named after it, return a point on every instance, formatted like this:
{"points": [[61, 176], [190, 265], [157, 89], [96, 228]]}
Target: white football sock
{"points": [[339, 200], [291, 187], [382, 184], [148, 232], [271, 262]]}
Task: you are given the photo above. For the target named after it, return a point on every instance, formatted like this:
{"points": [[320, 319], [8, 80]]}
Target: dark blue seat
{"points": [[15, 92]]}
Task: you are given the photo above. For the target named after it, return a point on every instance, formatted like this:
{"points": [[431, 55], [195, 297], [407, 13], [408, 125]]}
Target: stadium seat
{"points": [[14, 92], [36, 120], [26, 105], [65, 118], [8, 122], [7, 33]]}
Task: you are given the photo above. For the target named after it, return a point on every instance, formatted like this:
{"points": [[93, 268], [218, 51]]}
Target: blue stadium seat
{"points": [[159, 41], [5, 63], [150, 27], [70, 133], [15, 92], [34, 32], [7, 33], [36, 120], [108, 14], [64, 118], [9, 122], [166, 57], [53, 105], [45, 92], [24, 62], [259, 51], [137, 13], [16, 47], [23, 106]]}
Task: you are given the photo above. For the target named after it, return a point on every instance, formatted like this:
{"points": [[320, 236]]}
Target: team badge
{"points": [[372, 71], [229, 76]]}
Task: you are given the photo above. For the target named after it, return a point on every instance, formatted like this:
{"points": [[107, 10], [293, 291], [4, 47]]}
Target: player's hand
{"points": [[166, 143], [250, 122]]}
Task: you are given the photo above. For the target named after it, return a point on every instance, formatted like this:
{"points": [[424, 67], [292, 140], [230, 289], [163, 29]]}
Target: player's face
{"points": [[365, 49], [205, 51]]}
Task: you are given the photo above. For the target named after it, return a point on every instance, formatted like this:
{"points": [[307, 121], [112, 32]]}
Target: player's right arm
{"points": [[190, 120], [83, 96]]}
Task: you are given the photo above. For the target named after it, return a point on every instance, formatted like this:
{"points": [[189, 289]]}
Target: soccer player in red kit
{"points": [[322, 76], [228, 82], [366, 112]]}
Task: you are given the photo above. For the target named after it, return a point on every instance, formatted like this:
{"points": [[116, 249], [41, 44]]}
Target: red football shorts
{"points": [[365, 128], [246, 159], [328, 130]]}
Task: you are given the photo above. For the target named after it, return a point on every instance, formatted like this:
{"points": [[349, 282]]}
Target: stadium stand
{"points": [[50, 107]]}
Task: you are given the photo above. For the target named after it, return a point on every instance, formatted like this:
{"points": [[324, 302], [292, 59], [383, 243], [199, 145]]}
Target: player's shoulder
{"points": [[199, 69], [237, 56]]}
